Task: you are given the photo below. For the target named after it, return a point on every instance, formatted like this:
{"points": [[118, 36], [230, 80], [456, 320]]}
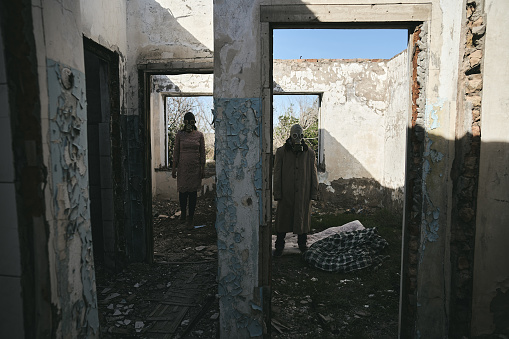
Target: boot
{"points": [[302, 242], [280, 244], [190, 221]]}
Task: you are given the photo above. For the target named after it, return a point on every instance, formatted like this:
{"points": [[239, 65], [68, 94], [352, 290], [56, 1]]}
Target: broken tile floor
{"points": [[176, 296]]}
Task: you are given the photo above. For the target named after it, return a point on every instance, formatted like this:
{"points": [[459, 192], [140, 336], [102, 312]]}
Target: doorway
{"points": [[103, 132], [310, 16], [361, 133]]}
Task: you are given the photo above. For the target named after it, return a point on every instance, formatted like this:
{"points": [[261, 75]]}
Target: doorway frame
{"points": [[403, 16], [145, 71], [113, 60]]}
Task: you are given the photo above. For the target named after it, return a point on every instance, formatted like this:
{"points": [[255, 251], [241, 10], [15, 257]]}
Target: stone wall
{"points": [[465, 172]]}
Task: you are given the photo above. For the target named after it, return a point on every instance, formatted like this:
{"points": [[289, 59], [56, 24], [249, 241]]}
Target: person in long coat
{"points": [[188, 166], [295, 184]]}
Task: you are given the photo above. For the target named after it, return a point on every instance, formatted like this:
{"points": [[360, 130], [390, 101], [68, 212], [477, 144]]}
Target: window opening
{"points": [[297, 109], [175, 109]]}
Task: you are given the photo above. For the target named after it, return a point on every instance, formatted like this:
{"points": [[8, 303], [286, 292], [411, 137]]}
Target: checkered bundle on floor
{"points": [[348, 251]]}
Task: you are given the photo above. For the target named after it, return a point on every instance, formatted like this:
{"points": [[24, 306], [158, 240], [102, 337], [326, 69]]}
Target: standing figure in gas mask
{"points": [[295, 185], [188, 166]]}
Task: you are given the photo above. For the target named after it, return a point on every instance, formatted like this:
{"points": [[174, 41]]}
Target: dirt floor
{"points": [[176, 296]]}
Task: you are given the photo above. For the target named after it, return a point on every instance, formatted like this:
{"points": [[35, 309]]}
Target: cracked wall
{"points": [[59, 28], [238, 196], [70, 234]]}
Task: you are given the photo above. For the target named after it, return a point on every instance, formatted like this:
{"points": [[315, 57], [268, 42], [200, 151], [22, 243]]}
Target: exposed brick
{"points": [[470, 162], [478, 22], [466, 214], [413, 283], [412, 258], [476, 131], [475, 57], [413, 245], [475, 100], [476, 115], [479, 30], [474, 85]]}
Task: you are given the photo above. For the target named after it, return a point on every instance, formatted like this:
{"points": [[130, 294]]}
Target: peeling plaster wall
{"points": [[239, 60], [491, 271], [364, 110], [238, 114], [71, 237], [59, 27], [239, 178], [160, 30], [62, 83]]}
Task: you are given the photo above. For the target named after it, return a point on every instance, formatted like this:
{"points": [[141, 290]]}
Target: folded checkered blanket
{"points": [[348, 251]]}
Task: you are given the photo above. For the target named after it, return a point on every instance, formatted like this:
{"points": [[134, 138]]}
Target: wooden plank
{"points": [[173, 326], [155, 310], [345, 13], [187, 262], [191, 278]]}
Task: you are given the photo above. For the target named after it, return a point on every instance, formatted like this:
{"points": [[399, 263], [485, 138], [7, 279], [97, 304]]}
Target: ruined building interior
{"points": [[82, 108]]}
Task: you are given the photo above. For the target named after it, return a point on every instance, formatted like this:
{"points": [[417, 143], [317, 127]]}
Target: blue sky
{"points": [[333, 44], [338, 43], [330, 44]]}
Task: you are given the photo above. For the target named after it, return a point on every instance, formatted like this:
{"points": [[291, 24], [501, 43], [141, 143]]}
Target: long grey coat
{"points": [[295, 185]]}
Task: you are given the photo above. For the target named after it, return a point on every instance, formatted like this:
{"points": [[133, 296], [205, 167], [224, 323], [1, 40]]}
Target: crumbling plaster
{"points": [[235, 50], [238, 200], [58, 29], [241, 75]]}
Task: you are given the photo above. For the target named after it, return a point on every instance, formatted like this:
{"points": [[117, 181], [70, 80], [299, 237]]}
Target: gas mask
{"points": [[189, 125], [297, 135]]}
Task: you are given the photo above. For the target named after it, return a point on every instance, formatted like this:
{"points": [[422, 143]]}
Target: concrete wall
{"points": [[363, 116], [163, 31], [491, 271], [395, 130]]}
